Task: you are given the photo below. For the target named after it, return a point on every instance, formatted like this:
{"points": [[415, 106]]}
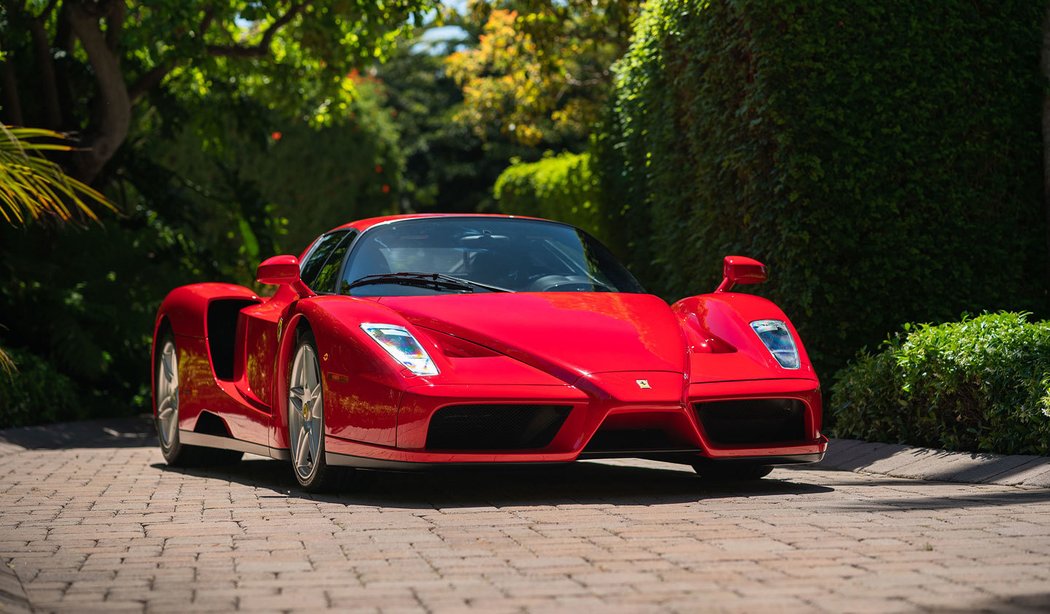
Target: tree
{"points": [[541, 68], [174, 103], [106, 56], [33, 187], [448, 168]]}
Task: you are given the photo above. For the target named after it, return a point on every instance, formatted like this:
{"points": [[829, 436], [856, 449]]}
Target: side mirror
{"points": [[741, 270], [280, 271]]}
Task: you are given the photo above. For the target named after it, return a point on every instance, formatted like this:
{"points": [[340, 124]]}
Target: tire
{"points": [[306, 419], [166, 412], [731, 472]]}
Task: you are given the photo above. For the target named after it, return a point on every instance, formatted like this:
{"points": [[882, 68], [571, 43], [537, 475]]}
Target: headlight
{"points": [[777, 339], [402, 347]]}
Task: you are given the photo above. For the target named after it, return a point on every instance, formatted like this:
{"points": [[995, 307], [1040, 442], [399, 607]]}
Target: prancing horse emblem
{"points": [[643, 384]]}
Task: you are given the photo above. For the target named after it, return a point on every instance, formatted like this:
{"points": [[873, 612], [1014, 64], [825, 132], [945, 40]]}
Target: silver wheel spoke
{"points": [[173, 425], [300, 451], [165, 409], [167, 394], [305, 412], [295, 401], [165, 361], [315, 397], [315, 443]]}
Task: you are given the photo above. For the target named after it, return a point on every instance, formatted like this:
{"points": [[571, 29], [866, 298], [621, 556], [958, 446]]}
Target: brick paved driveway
{"points": [[111, 528]]}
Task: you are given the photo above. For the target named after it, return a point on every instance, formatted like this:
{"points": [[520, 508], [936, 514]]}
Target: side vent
{"points": [[210, 424], [222, 334]]}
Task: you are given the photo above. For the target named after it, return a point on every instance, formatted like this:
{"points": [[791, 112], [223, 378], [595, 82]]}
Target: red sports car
{"points": [[417, 340]]}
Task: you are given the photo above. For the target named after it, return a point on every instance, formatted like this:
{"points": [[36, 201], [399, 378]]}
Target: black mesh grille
{"points": [[753, 421], [495, 427], [633, 440]]}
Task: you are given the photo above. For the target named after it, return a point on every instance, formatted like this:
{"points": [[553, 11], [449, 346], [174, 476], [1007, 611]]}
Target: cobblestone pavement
{"points": [[111, 528]]}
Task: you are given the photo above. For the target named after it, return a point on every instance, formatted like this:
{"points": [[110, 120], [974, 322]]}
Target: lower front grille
{"points": [[495, 427], [761, 421], [635, 440]]}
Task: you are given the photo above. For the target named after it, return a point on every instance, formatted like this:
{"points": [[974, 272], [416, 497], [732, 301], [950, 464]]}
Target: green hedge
{"points": [[884, 158], [982, 384], [36, 394], [558, 187]]}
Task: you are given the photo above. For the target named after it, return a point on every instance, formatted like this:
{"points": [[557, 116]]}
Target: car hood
{"points": [[566, 334]]}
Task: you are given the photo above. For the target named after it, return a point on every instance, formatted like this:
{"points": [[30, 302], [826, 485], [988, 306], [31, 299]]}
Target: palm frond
{"points": [[32, 186], [7, 364]]}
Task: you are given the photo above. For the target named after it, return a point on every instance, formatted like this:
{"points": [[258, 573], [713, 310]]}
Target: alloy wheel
{"points": [[305, 412], [168, 394]]}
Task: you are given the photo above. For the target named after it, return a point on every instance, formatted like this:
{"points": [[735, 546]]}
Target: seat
{"points": [[369, 261], [493, 267]]}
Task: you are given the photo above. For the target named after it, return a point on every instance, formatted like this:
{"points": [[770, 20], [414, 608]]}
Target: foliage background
{"points": [[883, 158], [982, 384], [558, 187]]}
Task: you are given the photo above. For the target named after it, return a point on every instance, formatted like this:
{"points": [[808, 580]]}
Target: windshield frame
{"points": [[361, 240]]}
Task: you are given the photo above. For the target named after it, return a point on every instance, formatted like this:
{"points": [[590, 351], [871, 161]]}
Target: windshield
{"points": [[503, 253]]}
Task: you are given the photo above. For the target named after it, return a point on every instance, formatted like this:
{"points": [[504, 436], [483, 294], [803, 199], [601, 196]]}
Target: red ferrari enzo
{"points": [[417, 340]]}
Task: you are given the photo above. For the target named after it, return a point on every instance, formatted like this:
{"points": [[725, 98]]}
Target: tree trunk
{"points": [[111, 117], [45, 67], [12, 103]]}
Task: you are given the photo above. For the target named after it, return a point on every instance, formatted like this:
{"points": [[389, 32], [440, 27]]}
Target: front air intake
{"points": [[753, 421], [495, 427]]}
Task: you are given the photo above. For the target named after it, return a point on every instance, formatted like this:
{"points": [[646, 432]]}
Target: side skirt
{"points": [[229, 443], [361, 462]]}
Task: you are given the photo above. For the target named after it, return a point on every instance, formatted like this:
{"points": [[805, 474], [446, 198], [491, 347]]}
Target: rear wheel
{"points": [[166, 412], [731, 472], [306, 419]]}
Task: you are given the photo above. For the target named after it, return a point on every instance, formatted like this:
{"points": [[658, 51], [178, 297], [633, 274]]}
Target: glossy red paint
{"points": [[623, 363], [740, 270], [282, 271]]}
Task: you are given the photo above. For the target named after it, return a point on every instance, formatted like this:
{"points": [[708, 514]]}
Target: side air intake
{"points": [[761, 421], [495, 427]]}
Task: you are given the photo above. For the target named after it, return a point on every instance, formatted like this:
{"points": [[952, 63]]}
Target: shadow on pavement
{"points": [[1035, 602], [936, 502], [583, 482], [134, 432]]}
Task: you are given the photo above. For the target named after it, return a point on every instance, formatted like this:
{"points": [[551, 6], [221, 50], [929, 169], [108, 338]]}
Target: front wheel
{"points": [[731, 472], [306, 419]]}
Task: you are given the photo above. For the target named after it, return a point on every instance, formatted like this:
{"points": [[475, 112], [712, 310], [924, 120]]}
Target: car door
{"points": [[319, 270]]}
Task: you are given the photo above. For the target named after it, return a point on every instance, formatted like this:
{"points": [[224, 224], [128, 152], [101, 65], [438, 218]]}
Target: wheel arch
{"points": [[342, 347], [288, 339]]}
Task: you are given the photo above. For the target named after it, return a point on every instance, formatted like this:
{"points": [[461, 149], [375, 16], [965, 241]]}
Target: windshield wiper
{"points": [[434, 280]]}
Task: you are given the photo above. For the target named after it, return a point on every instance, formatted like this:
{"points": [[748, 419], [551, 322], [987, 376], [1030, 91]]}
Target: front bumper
{"points": [[600, 425]]}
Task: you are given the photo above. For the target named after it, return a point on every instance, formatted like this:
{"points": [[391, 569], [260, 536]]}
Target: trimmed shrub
{"points": [[982, 384], [36, 393], [883, 158], [557, 187]]}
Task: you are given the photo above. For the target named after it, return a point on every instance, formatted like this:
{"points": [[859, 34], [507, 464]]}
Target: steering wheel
{"points": [[567, 283]]}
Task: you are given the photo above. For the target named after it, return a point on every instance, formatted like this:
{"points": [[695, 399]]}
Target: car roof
{"points": [[365, 224]]}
